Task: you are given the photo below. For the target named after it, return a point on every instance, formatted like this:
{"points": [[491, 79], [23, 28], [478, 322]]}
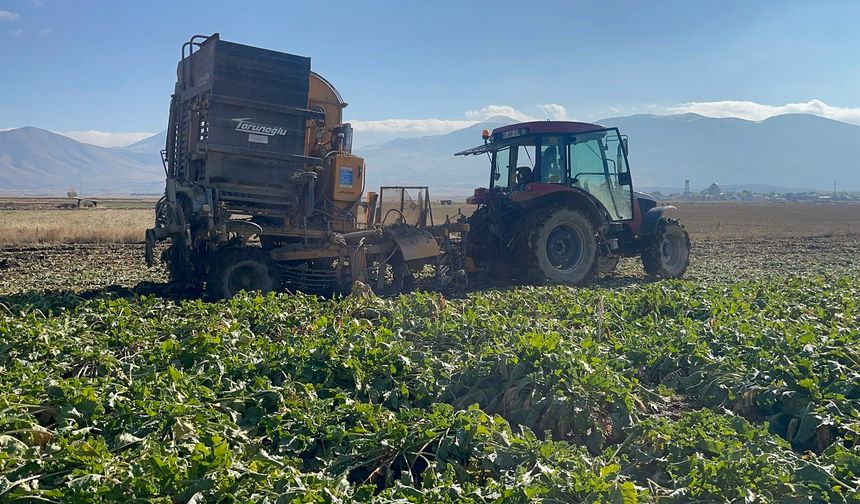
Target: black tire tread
{"points": [[651, 253], [528, 230], [216, 281]]}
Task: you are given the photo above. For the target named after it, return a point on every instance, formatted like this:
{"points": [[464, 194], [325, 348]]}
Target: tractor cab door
{"points": [[513, 166], [598, 165]]}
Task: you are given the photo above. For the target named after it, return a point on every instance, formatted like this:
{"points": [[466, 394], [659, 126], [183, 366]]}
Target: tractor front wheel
{"points": [[241, 268], [563, 246], [666, 254]]}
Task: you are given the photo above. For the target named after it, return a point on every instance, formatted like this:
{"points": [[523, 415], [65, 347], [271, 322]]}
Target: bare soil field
{"points": [[731, 241], [92, 266], [79, 249], [721, 219]]}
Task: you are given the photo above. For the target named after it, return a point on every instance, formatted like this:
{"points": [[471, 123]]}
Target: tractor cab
{"points": [[536, 158]]}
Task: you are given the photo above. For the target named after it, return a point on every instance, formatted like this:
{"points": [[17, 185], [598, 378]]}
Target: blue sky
{"points": [[429, 67]]}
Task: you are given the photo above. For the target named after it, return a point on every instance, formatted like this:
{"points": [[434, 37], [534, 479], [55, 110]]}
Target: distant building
{"points": [[714, 191]]}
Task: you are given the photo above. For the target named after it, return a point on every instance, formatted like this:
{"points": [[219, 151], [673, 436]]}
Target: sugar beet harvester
{"points": [[263, 191]]}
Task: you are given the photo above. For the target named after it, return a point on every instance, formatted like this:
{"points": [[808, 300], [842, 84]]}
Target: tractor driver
{"points": [[551, 165]]}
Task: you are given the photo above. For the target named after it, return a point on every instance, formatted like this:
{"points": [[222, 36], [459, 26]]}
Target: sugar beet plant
{"points": [[670, 391]]}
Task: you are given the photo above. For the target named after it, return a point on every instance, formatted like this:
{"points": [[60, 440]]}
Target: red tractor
{"points": [[560, 207]]}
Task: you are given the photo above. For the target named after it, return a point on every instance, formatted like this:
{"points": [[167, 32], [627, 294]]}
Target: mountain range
{"points": [[786, 151], [34, 161]]}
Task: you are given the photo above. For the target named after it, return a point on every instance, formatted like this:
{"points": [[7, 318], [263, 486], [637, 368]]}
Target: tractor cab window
{"points": [[598, 165], [552, 160]]}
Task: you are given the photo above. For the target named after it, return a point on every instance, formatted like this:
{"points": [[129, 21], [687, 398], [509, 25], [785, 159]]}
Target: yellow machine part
{"points": [[347, 178], [322, 94]]}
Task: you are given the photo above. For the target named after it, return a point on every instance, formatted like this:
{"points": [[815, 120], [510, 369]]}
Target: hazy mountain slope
{"points": [[35, 161], [147, 151], [792, 150], [788, 151], [430, 161]]}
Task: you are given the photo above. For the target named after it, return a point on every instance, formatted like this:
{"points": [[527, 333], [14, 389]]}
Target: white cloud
{"points": [[432, 126], [554, 111], [386, 129], [105, 138], [411, 127], [489, 111], [753, 111], [417, 127], [369, 132], [45, 32], [9, 16]]}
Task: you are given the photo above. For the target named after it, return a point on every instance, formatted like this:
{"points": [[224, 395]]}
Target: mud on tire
{"points": [[241, 268], [561, 247], [666, 254]]}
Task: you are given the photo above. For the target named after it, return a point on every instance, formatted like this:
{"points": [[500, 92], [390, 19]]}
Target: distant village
{"points": [[716, 193]]}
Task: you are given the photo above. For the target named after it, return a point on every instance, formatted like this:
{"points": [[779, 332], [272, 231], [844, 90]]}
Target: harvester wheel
{"points": [[241, 268], [606, 264], [666, 254], [563, 247]]}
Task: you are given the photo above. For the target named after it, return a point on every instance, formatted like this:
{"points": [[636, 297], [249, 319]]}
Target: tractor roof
{"points": [[534, 127], [509, 134]]}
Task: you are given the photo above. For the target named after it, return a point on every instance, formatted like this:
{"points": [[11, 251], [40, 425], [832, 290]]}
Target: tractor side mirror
{"points": [[624, 178], [496, 175], [626, 147]]}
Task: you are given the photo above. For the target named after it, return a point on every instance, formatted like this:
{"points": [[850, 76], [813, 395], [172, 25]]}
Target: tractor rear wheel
{"points": [[241, 268], [563, 248], [666, 254]]}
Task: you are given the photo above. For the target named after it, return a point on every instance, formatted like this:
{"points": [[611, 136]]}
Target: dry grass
{"points": [[74, 226]]}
